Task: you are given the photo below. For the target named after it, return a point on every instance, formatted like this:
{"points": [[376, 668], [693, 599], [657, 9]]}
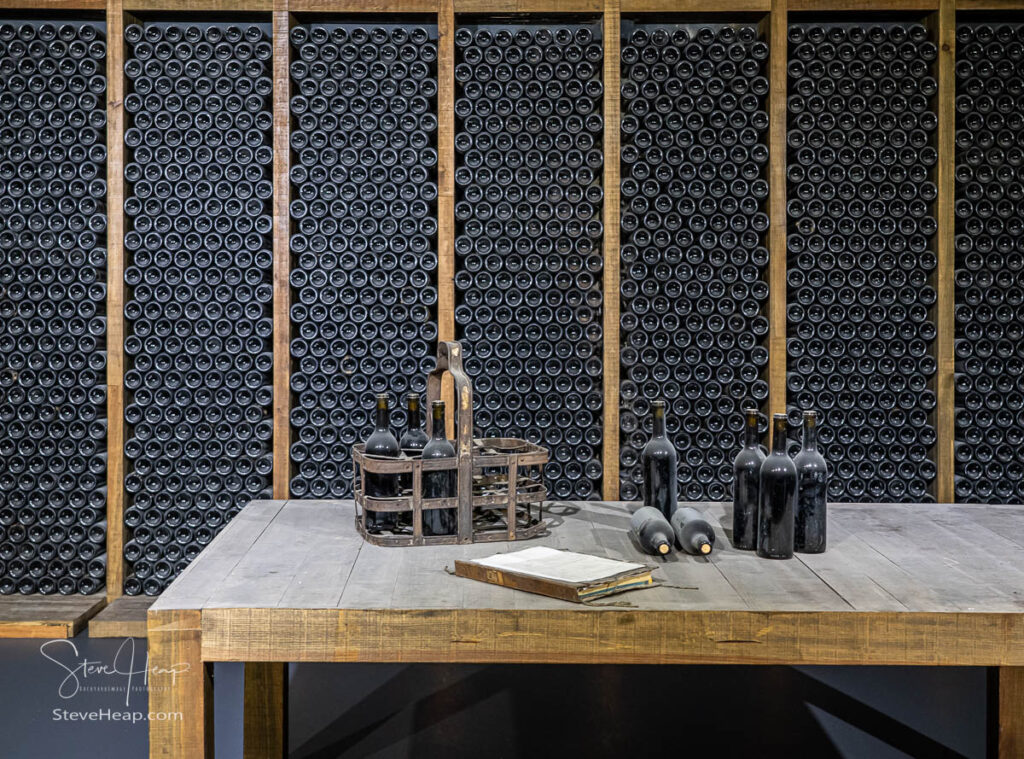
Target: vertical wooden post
{"points": [[115, 299], [265, 728], [180, 687], [612, 44], [944, 385], [1011, 712], [778, 45], [446, 192], [282, 253]]}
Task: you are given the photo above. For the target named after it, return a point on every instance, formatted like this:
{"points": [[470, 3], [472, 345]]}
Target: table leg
{"points": [[1011, 712], [180, 687], [266, 710]]}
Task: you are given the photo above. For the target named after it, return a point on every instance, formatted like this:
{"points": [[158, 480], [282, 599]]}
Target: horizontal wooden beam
{"points": [[28, 6], [695, 6], [862, 5], [606, 636], [200, 5], [123, 618], [529, 6], [39, 616], [362, 6], [989, 5]]}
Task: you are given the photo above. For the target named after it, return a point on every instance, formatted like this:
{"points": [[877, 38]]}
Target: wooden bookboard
{"points": [[939, 14]]}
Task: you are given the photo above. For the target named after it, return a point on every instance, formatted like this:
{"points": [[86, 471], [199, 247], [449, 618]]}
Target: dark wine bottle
{"points": [[778, 486], [746, 470], [414, 437], [441, 484], [693, 533], [812, 487], [382, 443], [652, 530], [659, 467]]}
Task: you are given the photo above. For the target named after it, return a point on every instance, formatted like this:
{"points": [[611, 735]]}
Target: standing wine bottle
{"points": [[746, 487], [414, 437], [659, 467], [382, 443], [652, 530], [440, 484], [812, 487], [693, 533], [778, 488]]}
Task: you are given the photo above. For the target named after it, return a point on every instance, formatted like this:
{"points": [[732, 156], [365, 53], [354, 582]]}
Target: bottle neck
{"points": [[437, 427], [383, 417], [413, 422], [810, 436], [779, 436], [659, 422], [751, 432]]}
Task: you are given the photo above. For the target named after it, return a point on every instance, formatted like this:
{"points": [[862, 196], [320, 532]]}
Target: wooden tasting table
{"points": [[291, 581]]}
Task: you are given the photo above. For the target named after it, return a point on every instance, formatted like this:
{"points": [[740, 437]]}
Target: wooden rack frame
{"points": [[939, 14]]}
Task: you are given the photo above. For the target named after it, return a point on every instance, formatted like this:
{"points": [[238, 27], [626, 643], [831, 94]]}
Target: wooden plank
{"points": [[180, 686], [199, 5], [125, 617], [778, 47], [612, 43], [192, 587], [39, 616], [54, 5], [115, 299], [863, 5], [282, 254], [322, 574], [945, 390], [587, 635], [1011, 712], [695, 6], [446, 193], [266, 711], [989, 5], [531, 6], [363, 6]]}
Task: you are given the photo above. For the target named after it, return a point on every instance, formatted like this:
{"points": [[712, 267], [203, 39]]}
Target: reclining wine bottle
{"points": [[659, 465], [383, 444], [746, 487], [652, 530], [778, 486], [439, 484], [693, 533], [812, 487]]}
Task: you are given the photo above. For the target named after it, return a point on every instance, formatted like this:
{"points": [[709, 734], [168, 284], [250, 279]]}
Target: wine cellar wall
{"points": [[198, 288], [528, 209], [989, 262], [762, 206], [52, 304], [861, 251], [693, 256], [364, 242]]}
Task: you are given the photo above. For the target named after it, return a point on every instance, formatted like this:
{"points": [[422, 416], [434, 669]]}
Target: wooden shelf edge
{"points": [[529, 6], [258, 6], [361, 6], [123, 618], [863, 5], [695, 6], [47, 616], [28, 6], [989, 5]]}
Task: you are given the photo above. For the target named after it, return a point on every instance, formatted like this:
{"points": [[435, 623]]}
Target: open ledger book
{"points": [[560, 574]]}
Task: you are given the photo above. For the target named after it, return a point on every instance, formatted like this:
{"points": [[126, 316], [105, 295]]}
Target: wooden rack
{"points": [[940, 15]]}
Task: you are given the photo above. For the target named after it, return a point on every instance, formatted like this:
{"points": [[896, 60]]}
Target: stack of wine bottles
{"points": [[861, 226], [364, 212], [198, 385], [989, 263], [693, 158], [53, 224], [528, 211]]}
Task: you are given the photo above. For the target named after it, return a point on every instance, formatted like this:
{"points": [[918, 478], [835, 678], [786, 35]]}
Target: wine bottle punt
{"points": [[812, 489], [414, 437], [747, 486], [693, 533], [651, 530], [778, 489], [381, 443], [439, 484], [659, 467]]}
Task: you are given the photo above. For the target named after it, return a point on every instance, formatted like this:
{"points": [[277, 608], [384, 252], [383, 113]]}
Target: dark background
{"points": [[451, 711]]}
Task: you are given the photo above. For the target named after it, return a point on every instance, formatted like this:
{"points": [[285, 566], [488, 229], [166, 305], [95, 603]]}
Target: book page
{"points": [[562, 566]]}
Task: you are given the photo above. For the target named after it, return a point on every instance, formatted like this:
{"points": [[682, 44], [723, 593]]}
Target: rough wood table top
{"points": [[292, 580]]}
